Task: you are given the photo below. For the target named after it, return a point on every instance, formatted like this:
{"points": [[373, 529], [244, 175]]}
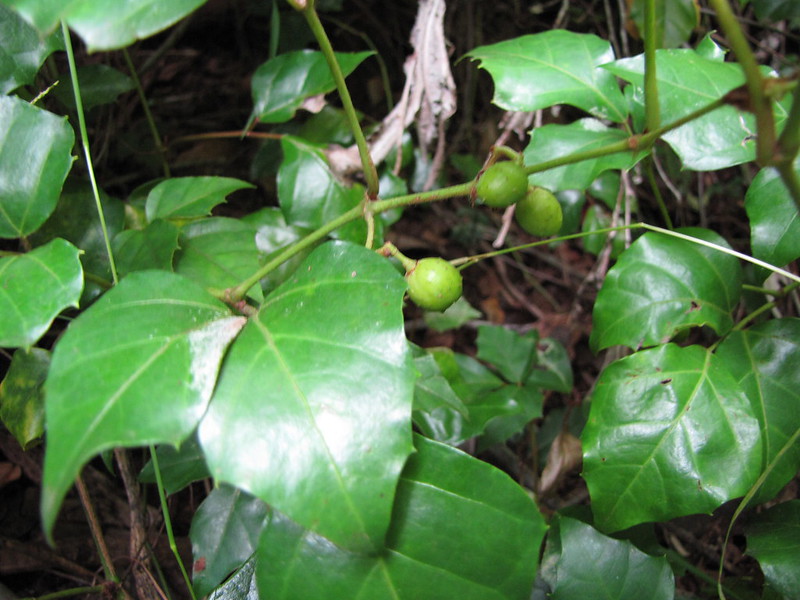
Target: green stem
{"points": [[73, 70], [790, 444], [631, 144], [760, 104], [95, 589], [651, 43], [148, 115], [240, 290], [168, 522], [370, 173], [723, 249]]}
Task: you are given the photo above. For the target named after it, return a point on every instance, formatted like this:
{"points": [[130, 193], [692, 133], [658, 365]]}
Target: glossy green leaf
{"points": [[310, 195], [320, 384], [189, 197], [687, 82], [588, 561], [675, 20], [282, 84], [773, 538], [34, 288], [774, 218], [219, 252], [102, 24], [456, 315], [670, 433], [75, 219], [512, 354], [661, 285], [273, 234], [537, 71], [137, 367], [224, 533], [497, 409], [583, 135], [22, 50], [765, 359], [150, 248], [776, 10], [179, 466], [553, 370], [460, 529], [21, 395], [35, 158], [438, 411], [241, 585]]}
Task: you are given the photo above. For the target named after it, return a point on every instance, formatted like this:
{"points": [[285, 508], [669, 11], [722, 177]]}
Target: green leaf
{"points": [[776, 10], [687, 82], [553, 370], [765, 360], [282, 84], [537, 71], [34, 288], [320, 384], [598, 218], [560, 140], [774, 218], [438, 412], [589, 561], [675, 20], [661, 285], [150, 248], [179, 466], [496, 409], [670, 433], [105, 25], [272, 236], [76, 220], [512, 354], [21, 396], [460, 529], [35, 158], [189, 197], [224, 533], [153, 337], [773, 538], [99, 84], [22, 50], [310, 195], [456, 315], [219, 252], [241, 586]]}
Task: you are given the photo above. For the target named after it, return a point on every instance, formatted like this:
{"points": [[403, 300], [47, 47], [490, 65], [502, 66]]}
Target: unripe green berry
{"points": [[502, 184], [539, 212], [434, 284]]}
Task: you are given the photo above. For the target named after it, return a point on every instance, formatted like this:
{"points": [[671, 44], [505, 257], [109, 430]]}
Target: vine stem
{"points": [[630, 144], [168, 521], [73, 71], [370, 173], [651, 43], [148, 115], [760, 103]]}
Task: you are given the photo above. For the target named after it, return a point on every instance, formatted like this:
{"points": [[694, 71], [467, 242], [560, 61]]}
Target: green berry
{"points": [[539, 212], [434, 284], [502, 184]]}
